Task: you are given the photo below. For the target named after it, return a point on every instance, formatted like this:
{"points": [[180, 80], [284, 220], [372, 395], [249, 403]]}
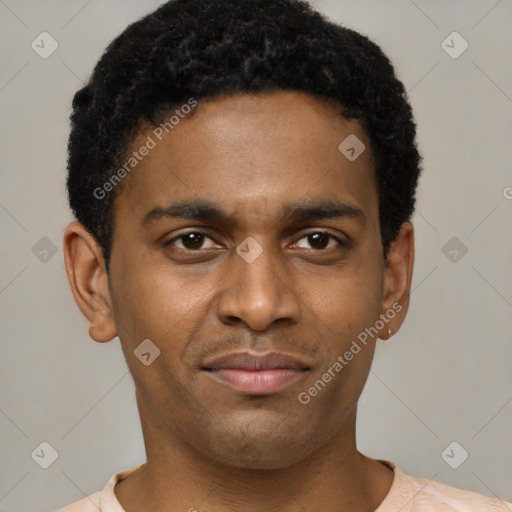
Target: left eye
{"points": [[320, 240]]}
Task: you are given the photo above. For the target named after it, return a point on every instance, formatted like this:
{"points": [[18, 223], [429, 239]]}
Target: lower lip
{"points": [[257, 382]]}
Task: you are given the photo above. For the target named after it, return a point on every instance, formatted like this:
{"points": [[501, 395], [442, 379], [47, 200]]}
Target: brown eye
{"points": [[320, 241], [192, 241]]}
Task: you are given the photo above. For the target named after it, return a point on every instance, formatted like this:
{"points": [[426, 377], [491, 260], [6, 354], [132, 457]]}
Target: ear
{"points": [[88, 279], [397, 279]]}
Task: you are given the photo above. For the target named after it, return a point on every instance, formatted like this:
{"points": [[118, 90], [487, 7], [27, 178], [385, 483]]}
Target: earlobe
{"points": [[88, 279], [397, 280]]}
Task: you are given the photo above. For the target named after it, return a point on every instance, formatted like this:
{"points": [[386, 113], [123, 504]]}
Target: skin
{"points": [[208, 446]]}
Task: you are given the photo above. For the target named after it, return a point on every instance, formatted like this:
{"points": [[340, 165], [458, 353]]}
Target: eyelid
{"points": [[339, 240], [189, 232]]}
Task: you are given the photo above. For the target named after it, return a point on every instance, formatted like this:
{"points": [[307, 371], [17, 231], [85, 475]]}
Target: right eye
{"points": [[190, 242]]}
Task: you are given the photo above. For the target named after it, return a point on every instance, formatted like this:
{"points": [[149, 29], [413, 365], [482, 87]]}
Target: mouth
{"points": [[255, 373]]}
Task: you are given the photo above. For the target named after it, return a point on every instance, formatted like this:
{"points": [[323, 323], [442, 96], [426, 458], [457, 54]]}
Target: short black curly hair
{"points": [[205, 48]]}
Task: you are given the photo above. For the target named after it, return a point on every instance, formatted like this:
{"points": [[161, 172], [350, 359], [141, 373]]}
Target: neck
{"points": [[177, 477]]}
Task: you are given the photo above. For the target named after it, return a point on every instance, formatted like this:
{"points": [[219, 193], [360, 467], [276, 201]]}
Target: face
{"points": [[246, 232]]}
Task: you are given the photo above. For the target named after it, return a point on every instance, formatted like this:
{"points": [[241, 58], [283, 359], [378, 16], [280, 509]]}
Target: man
{"points": [[247, 309]]}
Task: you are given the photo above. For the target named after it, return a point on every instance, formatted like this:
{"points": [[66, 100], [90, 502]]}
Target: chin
{"points": [[262, 446]]}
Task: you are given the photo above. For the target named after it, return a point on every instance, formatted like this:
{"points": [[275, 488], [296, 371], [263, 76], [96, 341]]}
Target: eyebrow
{"points": [[202, 210]]}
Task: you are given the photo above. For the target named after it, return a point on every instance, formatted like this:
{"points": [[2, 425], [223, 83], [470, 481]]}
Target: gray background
{"points": [[445, 377]]}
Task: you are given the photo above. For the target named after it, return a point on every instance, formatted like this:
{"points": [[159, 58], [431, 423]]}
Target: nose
{"points": [[259, 293]]}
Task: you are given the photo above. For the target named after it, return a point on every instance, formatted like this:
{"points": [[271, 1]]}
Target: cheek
{"points": [[339, 381], [348, 304], [350, 301], [157, 304]]}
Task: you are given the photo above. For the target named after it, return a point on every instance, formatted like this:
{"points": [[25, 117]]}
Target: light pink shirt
{"points": [[407, 494]]}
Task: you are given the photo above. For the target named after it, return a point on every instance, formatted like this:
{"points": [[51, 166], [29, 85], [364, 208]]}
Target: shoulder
{"points": [[430, 493], [89, 504], [412, 494], [104, 500]]}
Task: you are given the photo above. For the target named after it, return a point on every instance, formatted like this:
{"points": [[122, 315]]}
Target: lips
{"points": [[256, 373]]}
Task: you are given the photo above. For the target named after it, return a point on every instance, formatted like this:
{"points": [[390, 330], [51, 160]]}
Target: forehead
{"points": [[247, 150]]}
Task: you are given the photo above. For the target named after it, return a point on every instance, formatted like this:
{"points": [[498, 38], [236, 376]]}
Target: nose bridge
{"points": [[259, 290], [260, 276]]}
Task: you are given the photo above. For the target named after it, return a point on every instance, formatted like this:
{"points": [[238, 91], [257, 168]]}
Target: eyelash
{"points": [[195, 232]]}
